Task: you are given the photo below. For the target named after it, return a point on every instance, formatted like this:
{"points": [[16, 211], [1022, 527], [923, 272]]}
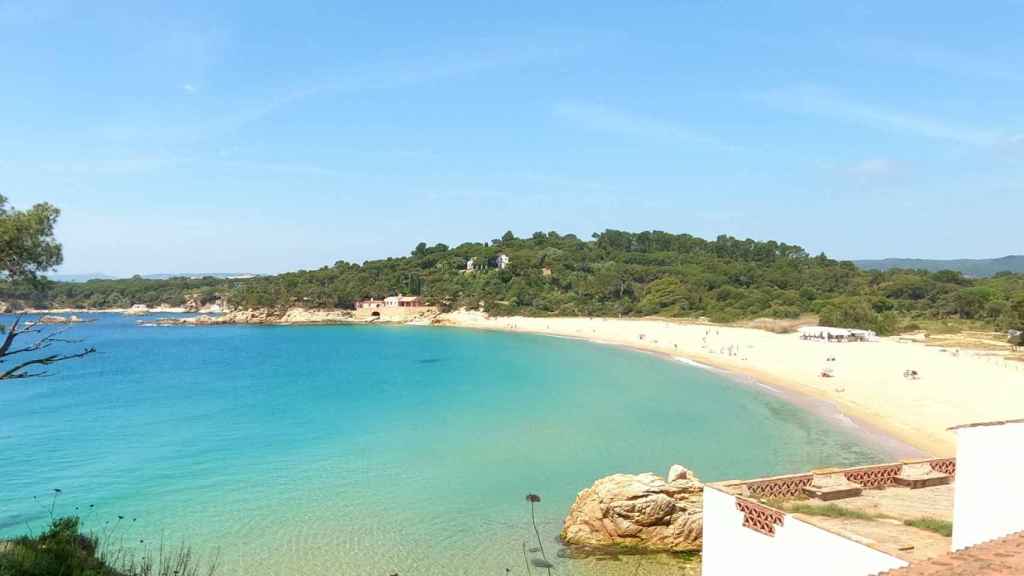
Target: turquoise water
{"points": [[371, 450]]}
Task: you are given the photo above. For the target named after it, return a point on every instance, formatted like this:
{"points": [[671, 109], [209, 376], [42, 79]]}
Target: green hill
{"points": [[977, 268], [614, 273]]}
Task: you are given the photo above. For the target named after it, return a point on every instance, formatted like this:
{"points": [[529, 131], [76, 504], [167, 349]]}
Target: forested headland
{"points": [[614, 273]]}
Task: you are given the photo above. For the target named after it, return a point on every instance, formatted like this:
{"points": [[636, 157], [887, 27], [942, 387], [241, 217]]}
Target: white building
{"points": [[734, 544], [402, 301], [502, 261], [989, 479], [471, 265], [758, 526]]}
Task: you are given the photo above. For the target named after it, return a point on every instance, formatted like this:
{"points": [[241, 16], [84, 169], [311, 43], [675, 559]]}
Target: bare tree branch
{"points": [[12, 333], [44, 341], [13, 373]]}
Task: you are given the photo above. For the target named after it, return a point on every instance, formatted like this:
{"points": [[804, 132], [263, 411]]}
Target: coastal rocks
{"points": [[304, 316], [235, 317], [259, 316], [296, 315], [144, 310], [643, 512], [61, 320], [203, 320], [196, 303], [289, 316]]}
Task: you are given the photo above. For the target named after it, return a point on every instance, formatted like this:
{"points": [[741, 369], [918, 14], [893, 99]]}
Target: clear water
{"points": [[372, 450]]}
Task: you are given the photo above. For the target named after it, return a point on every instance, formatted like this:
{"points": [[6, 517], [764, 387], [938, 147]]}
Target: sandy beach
{"points": [[868, 383]]}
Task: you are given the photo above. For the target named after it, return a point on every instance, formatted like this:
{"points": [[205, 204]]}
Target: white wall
{"points": [[797, 549], [989, 489]]}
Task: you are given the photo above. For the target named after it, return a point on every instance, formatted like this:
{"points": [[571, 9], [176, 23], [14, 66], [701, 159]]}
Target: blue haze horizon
{"points": [[373, 450]]}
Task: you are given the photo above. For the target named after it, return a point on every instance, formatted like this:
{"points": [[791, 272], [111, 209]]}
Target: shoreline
{"points": [[895, 448], [907, 418], [867, 387], [892, 446]]}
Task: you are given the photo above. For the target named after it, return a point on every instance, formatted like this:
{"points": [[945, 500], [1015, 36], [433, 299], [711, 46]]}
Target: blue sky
{"points": [[252, 136]]}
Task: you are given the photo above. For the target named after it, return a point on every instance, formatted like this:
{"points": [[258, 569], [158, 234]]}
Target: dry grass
{"points": [[778, 325], [829, 510], [963, 334], [940, 527]]}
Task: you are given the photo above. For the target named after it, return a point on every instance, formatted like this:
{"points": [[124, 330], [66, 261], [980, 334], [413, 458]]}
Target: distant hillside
{"points": [[193, 275], [80, 277], [612, 274], [197, 275], [980, 268]]}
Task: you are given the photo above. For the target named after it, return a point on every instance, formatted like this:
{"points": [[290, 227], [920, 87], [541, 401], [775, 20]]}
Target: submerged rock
{"points": [[639, 511]]}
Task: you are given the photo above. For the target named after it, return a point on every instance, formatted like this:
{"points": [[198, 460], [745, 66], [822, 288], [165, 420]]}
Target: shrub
{"points": [[60, 550], [943, 527], [63, 550], [828, 510], [784, 312]]}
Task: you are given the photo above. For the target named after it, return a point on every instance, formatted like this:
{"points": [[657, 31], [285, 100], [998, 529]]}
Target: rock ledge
{"points": [[639, 511]]}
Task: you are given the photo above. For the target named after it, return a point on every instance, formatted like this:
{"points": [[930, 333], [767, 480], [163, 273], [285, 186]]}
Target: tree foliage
{"points": [[614, 273], [27, 244], [28, 248]]}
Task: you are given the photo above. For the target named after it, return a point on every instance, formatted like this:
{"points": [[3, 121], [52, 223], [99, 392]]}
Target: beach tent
{"points": [[834, 334]]}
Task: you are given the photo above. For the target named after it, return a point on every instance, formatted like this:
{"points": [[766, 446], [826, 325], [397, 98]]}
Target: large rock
{"points": [[641, 511], [314, 316]]}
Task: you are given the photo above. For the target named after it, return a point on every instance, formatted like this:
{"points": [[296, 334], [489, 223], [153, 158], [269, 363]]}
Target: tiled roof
{"points": [[1003, 557]]}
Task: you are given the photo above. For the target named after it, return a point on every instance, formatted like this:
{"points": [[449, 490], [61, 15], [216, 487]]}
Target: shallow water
{"points": [[373, 450]]}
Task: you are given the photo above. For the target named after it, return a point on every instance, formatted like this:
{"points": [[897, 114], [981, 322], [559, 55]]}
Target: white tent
{"points": [[836, 334]]}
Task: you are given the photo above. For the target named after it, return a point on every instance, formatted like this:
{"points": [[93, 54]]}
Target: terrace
{"points": [[883, 516]]}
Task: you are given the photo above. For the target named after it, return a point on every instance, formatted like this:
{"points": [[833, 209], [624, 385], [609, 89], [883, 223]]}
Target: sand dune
{"points": [[868, 383]]}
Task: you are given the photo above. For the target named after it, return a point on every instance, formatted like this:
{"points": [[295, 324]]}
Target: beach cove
{"points": [[354, 449], [868, 383]]}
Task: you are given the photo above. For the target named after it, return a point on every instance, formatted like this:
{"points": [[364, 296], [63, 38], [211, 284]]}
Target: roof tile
{"points": [[1002, 557]]}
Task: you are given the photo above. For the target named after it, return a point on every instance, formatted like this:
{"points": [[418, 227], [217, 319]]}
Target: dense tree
{"points": [[615, 273], [27, 244]]}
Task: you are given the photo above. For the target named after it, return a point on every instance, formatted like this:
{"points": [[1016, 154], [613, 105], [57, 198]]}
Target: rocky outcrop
{"points": [[643, 512], [61, 320], [304, 316], [418, 315], [196, 303], [289, 316], [235, 317], [192, 303], [260, 316]]}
